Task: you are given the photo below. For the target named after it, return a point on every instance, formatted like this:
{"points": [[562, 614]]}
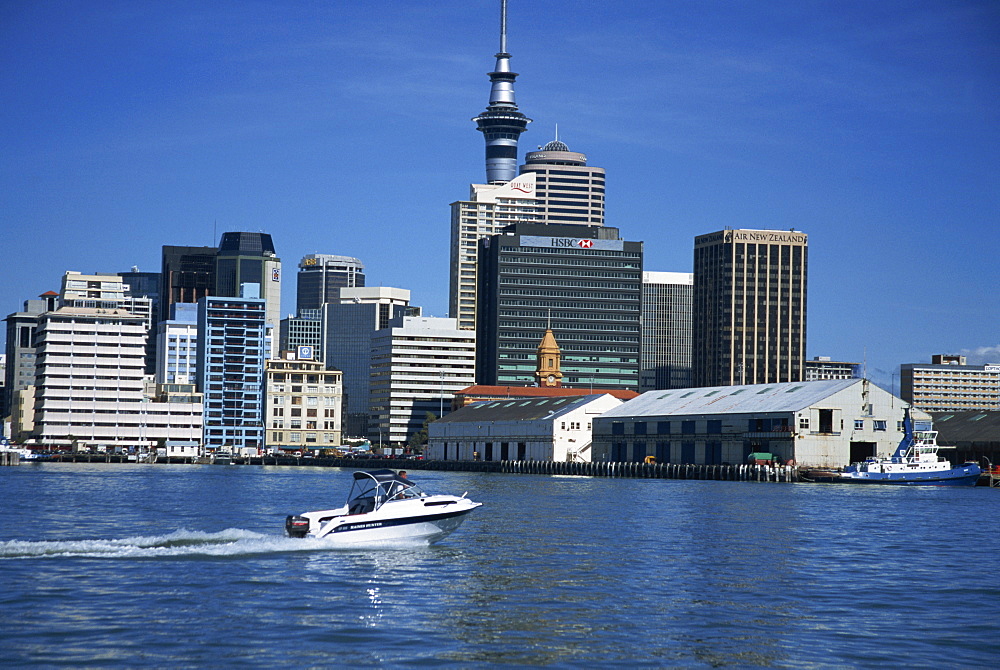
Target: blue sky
{"points": [[344, 127]]}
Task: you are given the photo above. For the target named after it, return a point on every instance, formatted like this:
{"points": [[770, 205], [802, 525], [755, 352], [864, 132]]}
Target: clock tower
{"points": [[548, 373]]}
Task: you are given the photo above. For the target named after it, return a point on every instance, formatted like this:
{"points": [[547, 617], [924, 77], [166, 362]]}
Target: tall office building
{"points": [[187, 274], [749, 312], [249, 258], [502, 123], [320, 278], [666, 330], [567, 190], [555, 187], [347, 340], [489, 209], [234, 343], [417, 365], [582, 281]]}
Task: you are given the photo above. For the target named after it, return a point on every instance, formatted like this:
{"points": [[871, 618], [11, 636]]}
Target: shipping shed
{"points": [[519, 429], [827, 423]]}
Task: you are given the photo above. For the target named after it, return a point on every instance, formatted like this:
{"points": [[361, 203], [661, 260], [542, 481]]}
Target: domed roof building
{"points": [[568, 190]]}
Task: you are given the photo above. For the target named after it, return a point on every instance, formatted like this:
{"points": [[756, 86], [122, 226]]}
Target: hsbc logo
{"points": [[571, 242]]}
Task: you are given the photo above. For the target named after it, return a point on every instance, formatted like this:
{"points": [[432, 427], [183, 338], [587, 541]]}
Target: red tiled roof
{"points": [[481, 391]]}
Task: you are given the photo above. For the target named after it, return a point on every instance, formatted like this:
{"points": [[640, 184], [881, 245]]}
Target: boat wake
{"points": [[181, 543]]}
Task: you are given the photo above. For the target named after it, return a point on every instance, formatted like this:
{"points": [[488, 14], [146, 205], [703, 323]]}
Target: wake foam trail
{"points": [[229, 542]]}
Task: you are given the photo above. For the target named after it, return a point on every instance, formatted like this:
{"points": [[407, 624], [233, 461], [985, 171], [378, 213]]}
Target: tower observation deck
{"points": [[502, 123]]}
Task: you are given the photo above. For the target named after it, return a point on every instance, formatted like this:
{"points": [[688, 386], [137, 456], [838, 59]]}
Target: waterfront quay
{"points": [[744, 473]]}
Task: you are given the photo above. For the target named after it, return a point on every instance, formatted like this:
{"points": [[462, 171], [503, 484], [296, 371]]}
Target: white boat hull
{"points": [[352, 531], [382, 510]]}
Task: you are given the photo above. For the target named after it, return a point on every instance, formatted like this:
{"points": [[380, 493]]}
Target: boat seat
{"points": [[361, 506]]}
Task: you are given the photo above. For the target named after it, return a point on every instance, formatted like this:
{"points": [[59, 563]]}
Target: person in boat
{"points": [[403, 489]]}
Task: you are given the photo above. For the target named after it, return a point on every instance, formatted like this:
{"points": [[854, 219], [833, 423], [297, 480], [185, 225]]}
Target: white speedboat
{"points": [[384, 508]]}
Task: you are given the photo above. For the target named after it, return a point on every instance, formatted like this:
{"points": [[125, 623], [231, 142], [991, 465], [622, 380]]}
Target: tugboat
{"points": [[383, 508], [914, 463]]}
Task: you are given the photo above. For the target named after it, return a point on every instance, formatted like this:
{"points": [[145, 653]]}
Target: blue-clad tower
{"points": [[502, 123]]}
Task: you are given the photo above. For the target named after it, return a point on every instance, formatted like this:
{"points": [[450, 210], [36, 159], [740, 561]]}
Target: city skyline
{"points": [[346, 129]]}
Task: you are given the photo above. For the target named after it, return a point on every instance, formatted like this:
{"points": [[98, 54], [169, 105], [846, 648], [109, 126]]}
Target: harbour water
{"points": [[158, 565]]}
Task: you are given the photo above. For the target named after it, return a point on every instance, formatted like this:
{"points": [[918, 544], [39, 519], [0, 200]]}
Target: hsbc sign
{"points": [[572, 243]]}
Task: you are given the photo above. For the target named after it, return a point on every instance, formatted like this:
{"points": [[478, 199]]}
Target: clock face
{"points": [[552, 378]]}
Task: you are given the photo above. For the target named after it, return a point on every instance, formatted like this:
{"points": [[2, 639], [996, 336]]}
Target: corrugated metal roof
{"points": [[967, 426], [483, 391], [524, 409], [758, 398]]}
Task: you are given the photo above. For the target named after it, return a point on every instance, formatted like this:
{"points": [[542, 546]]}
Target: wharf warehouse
{"points": [[519, 429], [828, 423]]}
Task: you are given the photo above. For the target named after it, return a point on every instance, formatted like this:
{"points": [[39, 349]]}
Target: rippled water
{"points": [[153, 565]]}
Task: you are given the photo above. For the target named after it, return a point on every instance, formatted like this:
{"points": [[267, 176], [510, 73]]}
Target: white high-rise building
{"points": [[417, 365], [89, 384], [489, 208], [177, 346]]}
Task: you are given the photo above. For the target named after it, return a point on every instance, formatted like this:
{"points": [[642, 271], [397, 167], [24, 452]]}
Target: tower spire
{"points": [[502, 122], [503, 26]]}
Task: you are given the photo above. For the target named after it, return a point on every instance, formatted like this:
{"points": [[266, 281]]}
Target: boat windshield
{"points": [[372, 489]]}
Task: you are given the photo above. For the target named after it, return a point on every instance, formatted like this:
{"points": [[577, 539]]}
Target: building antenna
{"points": [[503, 26]]}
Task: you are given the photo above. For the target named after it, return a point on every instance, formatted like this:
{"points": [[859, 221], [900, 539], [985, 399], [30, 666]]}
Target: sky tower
{"points": [[502, 123]]}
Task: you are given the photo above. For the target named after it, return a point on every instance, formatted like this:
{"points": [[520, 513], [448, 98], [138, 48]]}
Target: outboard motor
{"points": [[296, 526]]}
